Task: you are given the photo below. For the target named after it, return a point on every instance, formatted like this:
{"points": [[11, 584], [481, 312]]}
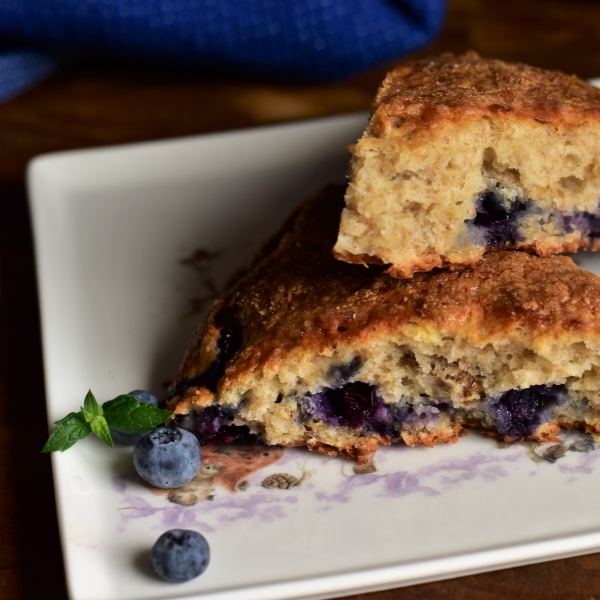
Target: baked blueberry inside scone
{"points": [[502, 221], [308, 350], [464, 155]]}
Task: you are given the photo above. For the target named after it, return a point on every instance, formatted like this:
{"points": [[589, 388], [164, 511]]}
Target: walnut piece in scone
{"points": [[463, 155], [308, 350]]}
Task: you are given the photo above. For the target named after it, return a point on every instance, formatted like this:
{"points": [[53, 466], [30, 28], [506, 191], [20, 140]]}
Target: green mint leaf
{"points": [[91, 409], [100, 428], [129, 415], [69, 430]]}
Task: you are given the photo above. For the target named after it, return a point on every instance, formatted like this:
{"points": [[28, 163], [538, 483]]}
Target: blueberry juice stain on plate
{"points": [[264, 483]]}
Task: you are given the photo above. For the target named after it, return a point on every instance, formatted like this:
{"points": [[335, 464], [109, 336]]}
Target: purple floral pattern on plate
{"points": [[262, 484]]}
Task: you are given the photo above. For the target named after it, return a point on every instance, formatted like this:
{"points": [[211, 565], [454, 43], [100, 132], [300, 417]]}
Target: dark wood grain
{"points": [[98, 104]]}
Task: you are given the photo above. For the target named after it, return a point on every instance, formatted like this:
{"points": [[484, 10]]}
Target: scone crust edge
{"points": [[448, 87], [300, 305]]}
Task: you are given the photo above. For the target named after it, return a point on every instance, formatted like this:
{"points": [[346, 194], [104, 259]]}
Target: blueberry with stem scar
{"points": [[180, 555], [167, 457]]}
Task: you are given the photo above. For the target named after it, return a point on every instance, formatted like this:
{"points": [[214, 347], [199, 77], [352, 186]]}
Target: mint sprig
{"points": [[69, 430], [91, 409], [124, 413], [92, 413], [129, 415]]}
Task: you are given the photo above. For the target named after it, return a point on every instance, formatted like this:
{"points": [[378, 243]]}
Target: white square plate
{"points": [[112, 227]]}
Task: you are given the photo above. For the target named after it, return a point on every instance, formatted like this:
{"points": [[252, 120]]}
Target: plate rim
{"points": [[331, 585]]}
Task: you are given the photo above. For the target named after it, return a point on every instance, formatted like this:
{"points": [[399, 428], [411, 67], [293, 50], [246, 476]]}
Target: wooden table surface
{"points": [[92, 105]]}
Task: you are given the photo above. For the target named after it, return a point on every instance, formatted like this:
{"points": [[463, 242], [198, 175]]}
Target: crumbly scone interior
{"points": [[464, 155], [436, 387], [307, 350], [413, 196]]}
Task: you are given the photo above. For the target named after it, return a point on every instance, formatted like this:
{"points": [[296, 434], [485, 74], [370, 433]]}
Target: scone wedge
{"points": [[463, 155], [308, 350]]}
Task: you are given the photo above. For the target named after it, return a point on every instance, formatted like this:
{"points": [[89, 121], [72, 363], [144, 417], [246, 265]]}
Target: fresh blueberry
{"points": [[167, 457], [130, 439], [180, 555], [144, 396]]}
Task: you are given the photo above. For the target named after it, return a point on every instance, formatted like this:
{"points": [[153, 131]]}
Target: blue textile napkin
{"points": [[300, 41]]}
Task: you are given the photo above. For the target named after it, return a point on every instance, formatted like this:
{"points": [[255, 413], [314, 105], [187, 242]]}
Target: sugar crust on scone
{"points": [[422, 360], [446, 130]]}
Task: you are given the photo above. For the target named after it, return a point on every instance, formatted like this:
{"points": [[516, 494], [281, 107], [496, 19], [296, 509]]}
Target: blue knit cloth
{"points": [[300, 41]]}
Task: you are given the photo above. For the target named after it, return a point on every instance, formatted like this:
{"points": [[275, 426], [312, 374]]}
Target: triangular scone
{"points": [[308, 350], [464, 155]]}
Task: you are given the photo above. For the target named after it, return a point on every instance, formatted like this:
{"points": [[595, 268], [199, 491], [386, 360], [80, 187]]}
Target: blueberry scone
{"points": [[308, 350], [464, 155]]}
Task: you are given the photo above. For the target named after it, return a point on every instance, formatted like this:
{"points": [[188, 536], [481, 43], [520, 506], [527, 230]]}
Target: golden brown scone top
{"points": [[300, 296], [430, 90]]}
